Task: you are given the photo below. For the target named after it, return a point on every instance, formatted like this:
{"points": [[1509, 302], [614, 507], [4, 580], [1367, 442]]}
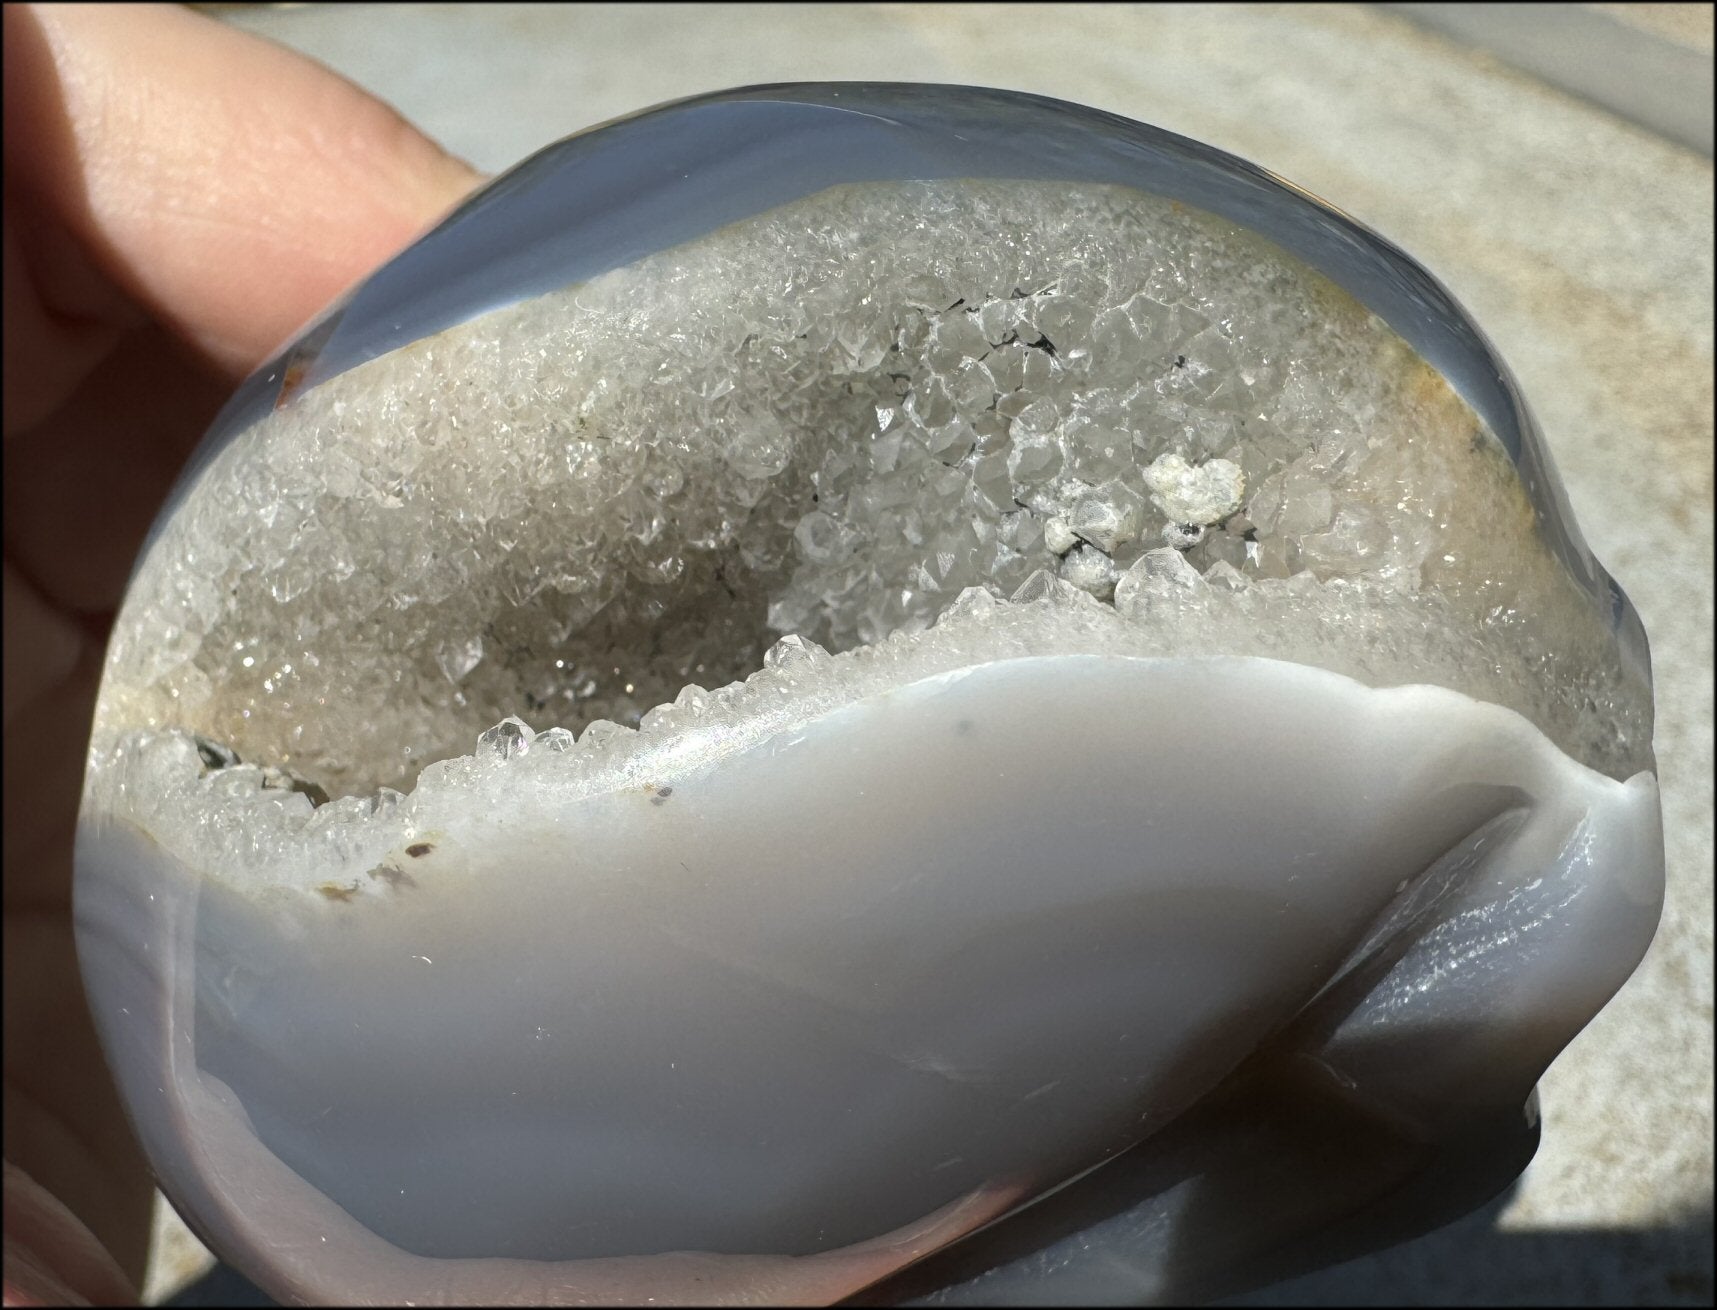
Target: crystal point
{"points": [[507, 740]]}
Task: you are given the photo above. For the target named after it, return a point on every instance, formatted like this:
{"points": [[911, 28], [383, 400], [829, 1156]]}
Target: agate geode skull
{"points": [[1174, 776]]}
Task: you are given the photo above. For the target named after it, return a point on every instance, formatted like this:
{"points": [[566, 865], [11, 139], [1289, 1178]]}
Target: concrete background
{"points": [[1581, 242], [1650, 63]]}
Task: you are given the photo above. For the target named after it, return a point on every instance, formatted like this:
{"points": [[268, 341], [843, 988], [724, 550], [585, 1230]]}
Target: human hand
{"points": [[180, 197]]}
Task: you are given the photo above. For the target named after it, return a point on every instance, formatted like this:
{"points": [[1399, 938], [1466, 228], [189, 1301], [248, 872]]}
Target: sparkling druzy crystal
{"points": [[1175, 776]]}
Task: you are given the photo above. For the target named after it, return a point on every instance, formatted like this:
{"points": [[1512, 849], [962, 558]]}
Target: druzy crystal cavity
{"points": [[1167, 740]]}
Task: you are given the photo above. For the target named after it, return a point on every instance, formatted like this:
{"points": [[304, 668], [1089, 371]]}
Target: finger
{"points": [[42, 645], [58, 325], [82, 486], [227, 185], [50, 1257]]}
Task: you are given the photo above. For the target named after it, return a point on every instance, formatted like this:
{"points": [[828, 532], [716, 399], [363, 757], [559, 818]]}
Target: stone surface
{"points": [[865, 1008], [1556, 279], [806, 422]]}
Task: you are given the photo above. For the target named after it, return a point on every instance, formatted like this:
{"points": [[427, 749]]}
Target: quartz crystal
{"points": [[1157, 688]]}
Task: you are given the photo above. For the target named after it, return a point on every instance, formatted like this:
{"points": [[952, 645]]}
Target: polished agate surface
{"points": [[884, 691]]}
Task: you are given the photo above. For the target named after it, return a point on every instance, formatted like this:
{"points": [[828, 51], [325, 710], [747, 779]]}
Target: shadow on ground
{"points": [[1470, 1262]]}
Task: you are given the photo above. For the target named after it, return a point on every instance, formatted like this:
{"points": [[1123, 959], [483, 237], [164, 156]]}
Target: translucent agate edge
{"points": [[1562, 903]]}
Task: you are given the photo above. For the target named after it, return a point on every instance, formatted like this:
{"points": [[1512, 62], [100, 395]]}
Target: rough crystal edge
{"points": [[235, 824]]}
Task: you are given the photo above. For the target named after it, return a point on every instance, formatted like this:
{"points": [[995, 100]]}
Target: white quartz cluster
{"points": [[239, 819], [829, 422]]}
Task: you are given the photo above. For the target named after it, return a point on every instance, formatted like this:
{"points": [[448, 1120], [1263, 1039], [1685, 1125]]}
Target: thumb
{"points": [[226, 186]]}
